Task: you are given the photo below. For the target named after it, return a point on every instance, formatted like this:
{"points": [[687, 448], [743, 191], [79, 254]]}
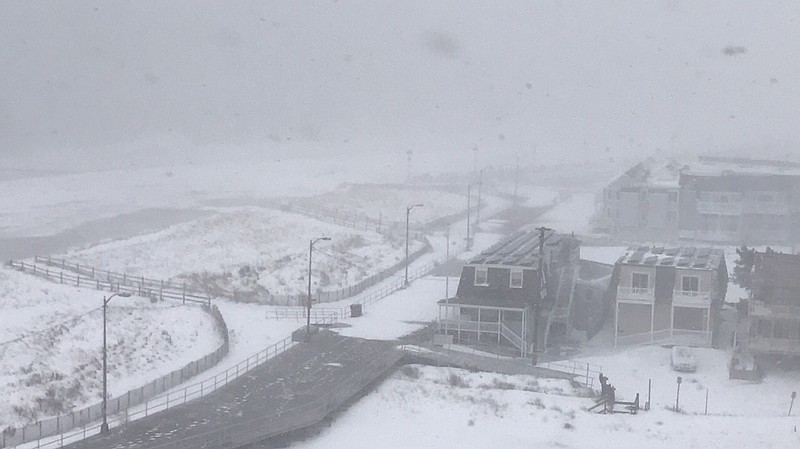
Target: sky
{"points": [[545, 79]]}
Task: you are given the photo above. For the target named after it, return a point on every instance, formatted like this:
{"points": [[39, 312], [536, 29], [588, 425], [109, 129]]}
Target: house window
{"points": [[481, 276], [640, 282], [690, 284], [515, 281], [673, 197]]}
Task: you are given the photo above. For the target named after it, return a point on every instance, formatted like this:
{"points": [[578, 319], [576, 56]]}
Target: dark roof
{"points": [[521, 249], [685, 257]]}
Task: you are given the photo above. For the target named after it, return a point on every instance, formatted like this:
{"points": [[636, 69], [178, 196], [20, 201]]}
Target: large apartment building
{"points": [[770, 324], [710, 199]]}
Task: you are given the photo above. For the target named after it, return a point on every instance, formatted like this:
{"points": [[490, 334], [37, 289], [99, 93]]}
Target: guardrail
{"points": [[171, 399]]}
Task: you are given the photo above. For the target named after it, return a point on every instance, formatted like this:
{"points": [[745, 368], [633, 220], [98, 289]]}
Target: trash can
{"points": [[355, 310]]}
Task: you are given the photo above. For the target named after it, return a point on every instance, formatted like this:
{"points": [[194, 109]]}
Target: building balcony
{"points": [[719, 208], [769, 345], [636, 294], [776, 311], [690, 298], [766, 208]]}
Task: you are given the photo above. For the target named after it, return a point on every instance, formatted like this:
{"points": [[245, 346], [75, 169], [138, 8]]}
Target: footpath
{"points": [[296, 390]]}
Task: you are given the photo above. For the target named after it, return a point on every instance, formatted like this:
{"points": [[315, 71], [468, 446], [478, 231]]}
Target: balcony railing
{"points": [[468, 325], [770, 208], [719, 208], [761, 309], [774, 345], [691, 298], [636, 294]]}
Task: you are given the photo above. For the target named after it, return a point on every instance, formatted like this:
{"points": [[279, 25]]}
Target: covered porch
{"points": [[502, 323]]}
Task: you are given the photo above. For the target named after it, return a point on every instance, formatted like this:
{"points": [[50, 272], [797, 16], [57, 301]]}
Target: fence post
{"points": [[92, 271], [587, 375], [184, 292], [79, 281]]}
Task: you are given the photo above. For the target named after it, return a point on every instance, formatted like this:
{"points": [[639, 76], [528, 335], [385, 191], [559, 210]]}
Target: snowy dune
{"points": [[251, 248], [52, 345]]}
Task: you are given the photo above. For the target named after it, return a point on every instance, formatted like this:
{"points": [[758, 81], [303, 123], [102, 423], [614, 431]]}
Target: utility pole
{"points": [[480, 185], [516, 181], [408, 174], [446, 261], [408, 213], [542, 286], [469, 196]]}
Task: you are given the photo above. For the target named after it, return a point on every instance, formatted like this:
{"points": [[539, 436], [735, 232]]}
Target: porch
{"points": [[504, 324]]}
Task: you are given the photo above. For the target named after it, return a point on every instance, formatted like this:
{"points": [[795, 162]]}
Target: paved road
{"points": [[297, 389]]}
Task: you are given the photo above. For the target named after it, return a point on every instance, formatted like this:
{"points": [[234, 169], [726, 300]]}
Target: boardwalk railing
{"points": [[584, 373], [67, 272], [168, 400], [54, 270], [327, 315], [123, 403]]}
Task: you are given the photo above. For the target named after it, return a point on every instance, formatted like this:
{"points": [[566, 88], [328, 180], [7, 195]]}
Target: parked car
{"points": [[683, 359]]}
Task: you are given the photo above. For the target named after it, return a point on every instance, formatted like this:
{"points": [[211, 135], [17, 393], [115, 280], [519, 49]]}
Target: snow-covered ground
{"points": [[389, 202], [51, 345], [251, 249], [571, 215], [603, 254], [427, 407]]}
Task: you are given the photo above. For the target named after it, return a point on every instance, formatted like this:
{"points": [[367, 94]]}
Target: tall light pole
{"points": [[104, 426], [542, 283], [480, 185], [408, 213], [308, 298], [469, 207], [446, 262]]}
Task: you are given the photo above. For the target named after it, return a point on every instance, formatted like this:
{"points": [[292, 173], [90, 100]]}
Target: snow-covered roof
{"points": [[717, 166], [684, 257], [521, 250], [666, 173]]}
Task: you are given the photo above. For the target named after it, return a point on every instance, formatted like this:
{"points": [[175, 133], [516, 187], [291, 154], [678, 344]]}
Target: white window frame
{"points": [[484, 270], [640, 289], [511, 274], [690, 292]]}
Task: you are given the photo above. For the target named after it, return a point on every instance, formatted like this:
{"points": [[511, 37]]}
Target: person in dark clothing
{"points": [[603, 386]]}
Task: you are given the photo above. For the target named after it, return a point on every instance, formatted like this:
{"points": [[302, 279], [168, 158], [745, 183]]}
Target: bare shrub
{"points": [[456, 381], [412, 372]]}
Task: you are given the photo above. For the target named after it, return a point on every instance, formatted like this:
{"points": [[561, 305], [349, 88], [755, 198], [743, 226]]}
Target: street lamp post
{"points": [[408, 213], [104, 426], [542, 283], [480, 186], [308, 299], [469, 207]]}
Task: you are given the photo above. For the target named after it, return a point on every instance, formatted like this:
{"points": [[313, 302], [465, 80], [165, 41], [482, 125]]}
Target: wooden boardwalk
{"points": [[296, 390]]}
